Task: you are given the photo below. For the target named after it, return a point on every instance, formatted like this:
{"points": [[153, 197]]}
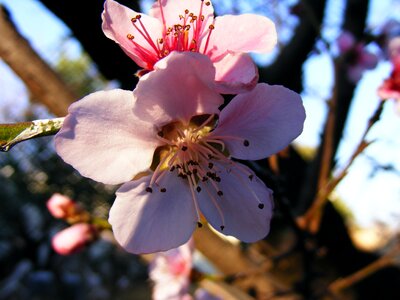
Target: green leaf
{"points": [[12, 134]]}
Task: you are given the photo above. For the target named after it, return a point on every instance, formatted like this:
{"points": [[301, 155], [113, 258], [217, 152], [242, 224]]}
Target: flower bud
{"points": [[74, 238]]}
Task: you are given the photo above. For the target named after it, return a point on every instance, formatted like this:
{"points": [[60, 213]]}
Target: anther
{"points": [[222, 227], [208, 3], [198, 189], [210, 165], [246, 143], [172, 169], [184, 148], [211, 27], [163, 190], [220, 193], [261, 206], [160, 133], [199, 224], [251, 176], [130, 36], [217, 179], [186, 11], [149, 189]]}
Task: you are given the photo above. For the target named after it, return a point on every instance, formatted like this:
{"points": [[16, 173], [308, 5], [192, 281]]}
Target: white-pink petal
{"points": [[235, 73], [239, 204], [117, 25], [242, 33], [268, 117], [145, 222], [181, 86], [104, 140]]}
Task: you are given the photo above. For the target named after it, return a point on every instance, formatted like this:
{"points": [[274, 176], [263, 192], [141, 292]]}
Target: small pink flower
{"points": [[170, 272], [61, 206], [390, 89], [165, 144], [74, 238], [176, 25], [356, 57]]}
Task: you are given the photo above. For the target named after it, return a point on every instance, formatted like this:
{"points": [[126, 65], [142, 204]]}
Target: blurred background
{"points": [[360, 222]]}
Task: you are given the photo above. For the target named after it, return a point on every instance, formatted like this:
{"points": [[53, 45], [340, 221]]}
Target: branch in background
{"points": [[44, 84], [230, 260], [387, 260], [12, 134], [288, 67], [312, 218]]}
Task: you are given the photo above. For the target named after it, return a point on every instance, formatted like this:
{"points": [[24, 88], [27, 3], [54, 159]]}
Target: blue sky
{"points": [[369, 198]]}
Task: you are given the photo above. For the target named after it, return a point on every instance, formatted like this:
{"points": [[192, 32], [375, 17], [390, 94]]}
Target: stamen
{"points": [[210, 29], [149, 189], [163, 190], [246, 143]]}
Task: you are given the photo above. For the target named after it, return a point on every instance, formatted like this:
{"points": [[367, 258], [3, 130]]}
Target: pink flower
{"points": [[74, 238], [176, 25], [356, 57], [165, 144], [60, 206], [390, 89], [170, 272]]}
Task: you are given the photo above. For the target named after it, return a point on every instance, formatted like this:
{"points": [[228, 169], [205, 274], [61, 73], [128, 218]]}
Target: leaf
{"points": [[12, 134]]}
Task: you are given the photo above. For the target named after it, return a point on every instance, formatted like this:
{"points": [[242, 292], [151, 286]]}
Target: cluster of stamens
{"points": [[201, 159], [185, 36]]}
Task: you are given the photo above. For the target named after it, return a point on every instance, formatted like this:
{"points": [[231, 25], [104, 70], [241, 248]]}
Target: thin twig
{"points": [[311, 219]]}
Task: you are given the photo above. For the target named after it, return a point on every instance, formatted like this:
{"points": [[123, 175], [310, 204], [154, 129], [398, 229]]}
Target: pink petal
{"points": [[181, 86], [235, 73], [239, 204], [242, 33], [146, 222], [172, 9], [268, 117], [104, 140], [117, 25]]}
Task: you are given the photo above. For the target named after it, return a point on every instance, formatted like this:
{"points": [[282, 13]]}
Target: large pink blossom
{"points": [[170, 273], [176, 25], [172, 147]]}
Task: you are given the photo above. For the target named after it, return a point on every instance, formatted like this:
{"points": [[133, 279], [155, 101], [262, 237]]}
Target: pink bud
{"points": [[61, 206], [345, 41], [74, 238]]}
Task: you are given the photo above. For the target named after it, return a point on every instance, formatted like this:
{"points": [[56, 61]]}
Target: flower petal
{"points": [[181, 86], [239, 203], [235, 73], [173, 9], [242, 33], [268, 117], [104, 140], [146, 222], [117, 25]]}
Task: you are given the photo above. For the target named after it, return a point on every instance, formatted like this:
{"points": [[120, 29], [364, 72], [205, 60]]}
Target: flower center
{"points": [[185, 35], [200, 159]]}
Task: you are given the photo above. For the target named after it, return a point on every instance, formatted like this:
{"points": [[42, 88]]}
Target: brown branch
{"points": [[312, 218], [44, 84], [346, 282], [230, 260]]}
